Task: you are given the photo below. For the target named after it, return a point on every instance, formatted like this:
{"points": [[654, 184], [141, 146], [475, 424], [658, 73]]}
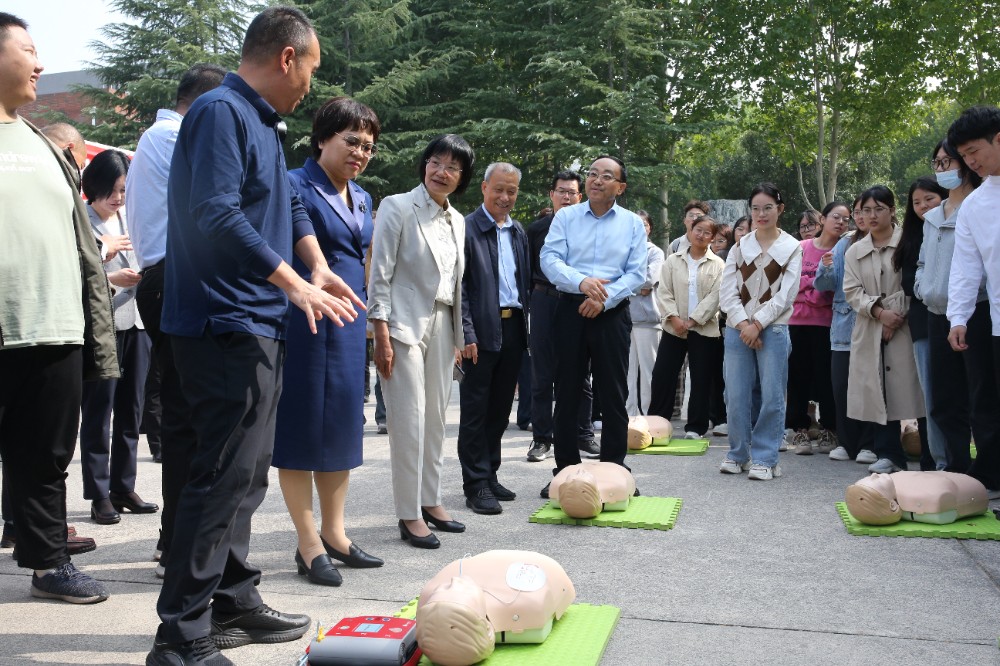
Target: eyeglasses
{"points": [[941, 163], [808, 226], [449, 170], [767, 210], [561, 192], [877, 210], [603, 177], [702, 233], [355, 143], [837, 217]]}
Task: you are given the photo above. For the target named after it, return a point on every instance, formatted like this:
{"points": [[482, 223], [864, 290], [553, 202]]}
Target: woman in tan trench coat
{"points": [[882, 382]]}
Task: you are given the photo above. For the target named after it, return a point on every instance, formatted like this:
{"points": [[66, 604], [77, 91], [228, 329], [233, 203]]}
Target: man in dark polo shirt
{"points": [[233, 222], [567, 186]]}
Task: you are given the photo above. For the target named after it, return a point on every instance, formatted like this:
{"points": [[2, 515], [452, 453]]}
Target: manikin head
{"points": [[579, 496], [872, 500], [638, 433], [452, 628]]}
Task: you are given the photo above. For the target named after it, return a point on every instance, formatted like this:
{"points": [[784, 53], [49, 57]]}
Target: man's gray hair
{"points": [[502, 167], [63, 134]]}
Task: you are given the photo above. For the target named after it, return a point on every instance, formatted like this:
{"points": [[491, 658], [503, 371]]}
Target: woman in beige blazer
{"points": [[414, 304], [692, 326], [882, 382]]}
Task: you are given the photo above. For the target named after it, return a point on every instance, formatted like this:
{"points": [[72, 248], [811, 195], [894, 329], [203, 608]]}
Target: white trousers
{"points": [[641, 358], [416, 397]]}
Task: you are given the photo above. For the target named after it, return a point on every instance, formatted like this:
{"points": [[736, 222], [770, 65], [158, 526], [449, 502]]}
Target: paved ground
{"points": [[753, 572]]}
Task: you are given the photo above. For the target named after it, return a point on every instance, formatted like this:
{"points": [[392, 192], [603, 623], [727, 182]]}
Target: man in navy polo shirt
{"points": [[233, 223]]}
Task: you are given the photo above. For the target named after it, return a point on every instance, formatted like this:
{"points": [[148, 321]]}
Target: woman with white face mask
{"points": [[964, 394]]}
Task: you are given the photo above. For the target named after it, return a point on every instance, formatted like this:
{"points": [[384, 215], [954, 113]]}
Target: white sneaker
{"points": [[803, 447], [840, 453], [866, 457], [786, 440], [732, 467], [691, 435], [884, 466], [721, 430], [764, 473]]}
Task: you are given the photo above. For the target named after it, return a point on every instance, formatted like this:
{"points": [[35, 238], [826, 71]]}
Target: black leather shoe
{"points": [[77, 545], [636, 493], [429, 541], [200, 652], [103, 513], [545, 491], [261, 625], [484, 502], [501, 493], [321, 572], [132, 503], [355, 557], [443, 525]]}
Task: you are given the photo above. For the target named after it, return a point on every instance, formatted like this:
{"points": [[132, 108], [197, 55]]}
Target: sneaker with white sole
{"points": [[801, 444], [786, 440], [721, 430], [840, 453], [67, 583], [732, 467], [539, 451], [866, 457], [691, 435], [764, 473], [884, 466], [827, 442]]}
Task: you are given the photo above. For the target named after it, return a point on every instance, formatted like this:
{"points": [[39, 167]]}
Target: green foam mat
{"points": [[985, 527], [675, 447], [644, 513], [579, 637]]}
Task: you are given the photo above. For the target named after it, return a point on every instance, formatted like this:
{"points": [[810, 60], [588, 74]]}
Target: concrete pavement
{"points": [[753, 572]]}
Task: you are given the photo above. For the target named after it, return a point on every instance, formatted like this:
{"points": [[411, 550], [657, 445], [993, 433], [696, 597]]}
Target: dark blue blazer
{"points": [[481, 282]]}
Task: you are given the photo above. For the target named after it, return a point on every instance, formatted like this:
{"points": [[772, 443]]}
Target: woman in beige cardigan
{"points": [[882, 383], [688, 296]]}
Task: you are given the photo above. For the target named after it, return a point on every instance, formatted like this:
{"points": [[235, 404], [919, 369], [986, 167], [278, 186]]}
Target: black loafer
{"points": [[443, 525], [132, 502], [501, 493], [484, 502], [545, 491], [103, 513], [321, 572], [355, 557], [429, 541], [261, 625]]}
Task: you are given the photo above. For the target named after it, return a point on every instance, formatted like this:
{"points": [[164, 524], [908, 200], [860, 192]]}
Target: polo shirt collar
{"points": [[267, 113]]}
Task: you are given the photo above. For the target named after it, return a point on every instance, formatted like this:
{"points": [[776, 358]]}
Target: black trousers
{"points": [[177, 438], [717, 394], [524, 391], [40, 389], [704, 357], [152, 410], [965, 400], [602, 344], [887, 442], [543, 342], [486, 395], [232, 382], [852, 434], [109, 447], [809, 378]]}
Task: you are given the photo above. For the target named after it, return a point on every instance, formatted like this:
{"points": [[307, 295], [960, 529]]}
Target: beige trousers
{"points": [[416, 397]]}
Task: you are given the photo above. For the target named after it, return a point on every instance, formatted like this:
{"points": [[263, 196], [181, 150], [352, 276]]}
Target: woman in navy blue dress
{"points": [[320, 416]]}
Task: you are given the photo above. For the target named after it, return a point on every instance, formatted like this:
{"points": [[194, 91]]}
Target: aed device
{"points": [[365, 641]]}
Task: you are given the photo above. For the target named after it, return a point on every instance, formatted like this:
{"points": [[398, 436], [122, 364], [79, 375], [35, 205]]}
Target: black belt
{"points": [[551, 291]]}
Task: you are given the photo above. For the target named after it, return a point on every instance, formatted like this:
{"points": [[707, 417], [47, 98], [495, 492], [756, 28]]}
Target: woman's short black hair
{"points": [[102, 173], [340, 114], [458, 148], [770, 189], [880, 194]]}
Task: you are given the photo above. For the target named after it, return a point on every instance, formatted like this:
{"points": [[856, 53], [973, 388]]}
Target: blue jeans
{"points": [[936, 441], [756, 428]]}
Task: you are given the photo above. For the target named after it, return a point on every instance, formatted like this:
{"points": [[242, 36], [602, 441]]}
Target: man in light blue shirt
{"points": [[167, 419], [595, 255], [495, 289]]}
